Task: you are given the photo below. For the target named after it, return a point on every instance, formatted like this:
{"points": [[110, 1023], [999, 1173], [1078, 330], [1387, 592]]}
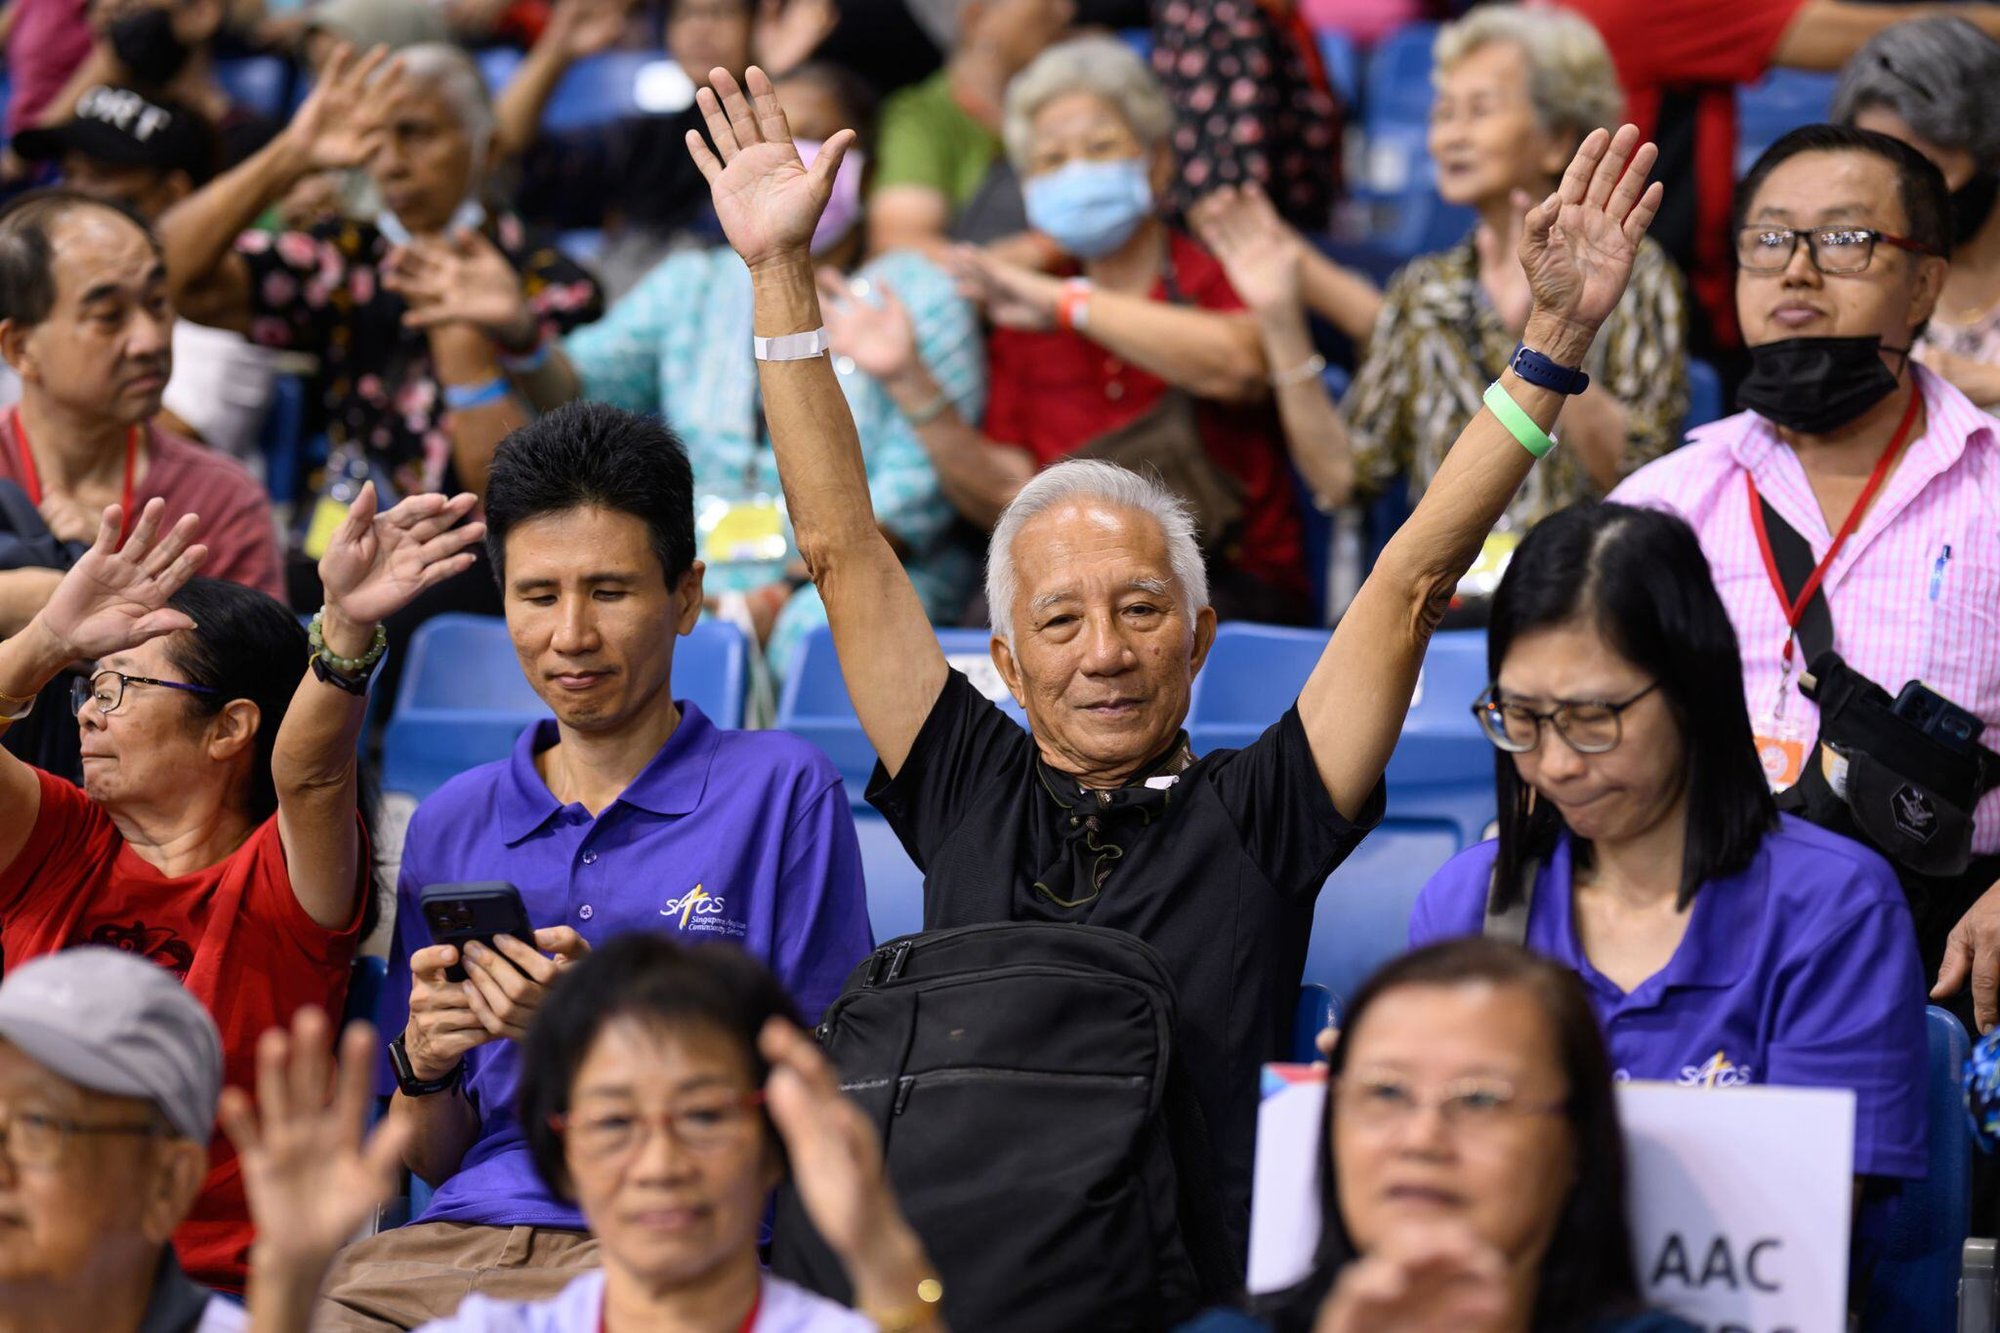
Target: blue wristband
{"points": [[1543, 373], [462, 397], [528, 362]]}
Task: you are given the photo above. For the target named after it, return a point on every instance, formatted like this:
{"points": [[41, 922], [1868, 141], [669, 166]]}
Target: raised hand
{"points": [[1577, 246], [462, 278], [767, 200], [376, 564], [585, 27], [343, 122], [115, 598], [1261, 256], [310, 1176], [878, 337], [787, 34], [1012, 297]]}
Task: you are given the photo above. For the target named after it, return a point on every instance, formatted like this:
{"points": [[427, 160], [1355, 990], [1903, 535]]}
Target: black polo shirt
{"points": [[1216, 868]]}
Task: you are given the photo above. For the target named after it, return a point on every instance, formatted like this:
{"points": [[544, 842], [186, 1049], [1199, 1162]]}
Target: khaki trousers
{"points": [[403, 1278]]}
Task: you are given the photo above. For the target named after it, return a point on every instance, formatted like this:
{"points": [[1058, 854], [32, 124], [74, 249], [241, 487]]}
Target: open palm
{"points": [[115, 598], [878, 338], [376, 564], [767, 200], [1577, 246], [341, 124]]}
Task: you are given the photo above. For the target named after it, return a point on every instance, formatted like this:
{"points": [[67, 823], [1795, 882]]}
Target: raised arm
{"points": [[1825, 34], [768, 203], [338, 126], [576, 28], [375, 565], [1577, 248], [111, 601]]}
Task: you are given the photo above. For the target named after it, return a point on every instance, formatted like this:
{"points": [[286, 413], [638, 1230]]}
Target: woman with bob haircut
{"points": [[667, 1090], [1721, 943], [1471, 1168]]}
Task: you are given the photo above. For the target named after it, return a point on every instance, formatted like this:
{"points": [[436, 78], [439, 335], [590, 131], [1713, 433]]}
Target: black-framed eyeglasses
{"points": [[1838, 250], [1588, 726], [107, 690], [37, 1139]]}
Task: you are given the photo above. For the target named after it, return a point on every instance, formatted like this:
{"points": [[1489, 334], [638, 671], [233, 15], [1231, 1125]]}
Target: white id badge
{"points": [[1780, 737]]}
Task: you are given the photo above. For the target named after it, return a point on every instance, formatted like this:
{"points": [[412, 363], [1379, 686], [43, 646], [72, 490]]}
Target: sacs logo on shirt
{"points": [[1716, 1072], [700, 912]]}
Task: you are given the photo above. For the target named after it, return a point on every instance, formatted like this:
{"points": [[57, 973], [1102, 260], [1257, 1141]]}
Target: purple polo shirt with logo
{"points": [[1801, 970], [737, 837]]}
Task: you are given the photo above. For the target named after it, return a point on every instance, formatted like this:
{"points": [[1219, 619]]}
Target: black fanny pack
{"points": [[1877, 777]]}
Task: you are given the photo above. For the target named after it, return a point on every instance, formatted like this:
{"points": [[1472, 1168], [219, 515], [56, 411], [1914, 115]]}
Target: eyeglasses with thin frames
{"points": [[1587, 726], [1383, 1101], [107, 689], [700, 1125], [38, 1139], [1834, 250]]}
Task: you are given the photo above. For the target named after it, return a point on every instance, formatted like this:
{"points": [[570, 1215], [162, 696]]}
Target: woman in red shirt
{"points": [[217, 831]]}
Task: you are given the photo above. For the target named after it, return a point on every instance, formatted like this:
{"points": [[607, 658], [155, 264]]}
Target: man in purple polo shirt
{"points": [[630, 811]]}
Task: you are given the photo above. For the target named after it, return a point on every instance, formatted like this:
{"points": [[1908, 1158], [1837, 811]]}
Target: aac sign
{"points": [[1740, 1198]]}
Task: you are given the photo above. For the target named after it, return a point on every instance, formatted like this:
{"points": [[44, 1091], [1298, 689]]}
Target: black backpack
{"points": [[1039, 1131]]}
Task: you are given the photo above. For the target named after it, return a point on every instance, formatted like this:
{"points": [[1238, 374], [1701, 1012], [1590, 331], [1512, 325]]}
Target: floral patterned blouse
{"points": [[320, 291], [1439, 343]]}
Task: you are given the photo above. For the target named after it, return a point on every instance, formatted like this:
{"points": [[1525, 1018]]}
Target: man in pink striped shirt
{"points": [[1888, 472]]}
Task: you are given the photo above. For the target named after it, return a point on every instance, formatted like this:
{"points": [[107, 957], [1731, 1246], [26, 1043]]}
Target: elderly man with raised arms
{"points": [[1100, 622]]}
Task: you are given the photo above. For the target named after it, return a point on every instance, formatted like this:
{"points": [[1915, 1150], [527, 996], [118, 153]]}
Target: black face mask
{"points": [[1971, 204], [1816, 385], [147, 45]]}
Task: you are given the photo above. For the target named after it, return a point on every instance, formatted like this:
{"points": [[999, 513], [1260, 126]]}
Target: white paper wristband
{"points": [[792, 346]]}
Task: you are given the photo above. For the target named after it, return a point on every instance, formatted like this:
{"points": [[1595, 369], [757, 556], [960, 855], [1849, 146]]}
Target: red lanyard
{"points": [[1795, 609], [749, 1320], [32, 478]]}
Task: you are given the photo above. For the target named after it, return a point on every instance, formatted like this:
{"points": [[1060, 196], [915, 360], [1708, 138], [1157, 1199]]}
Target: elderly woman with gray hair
{"points": [[415, 410], [1134, 350], [1934, 83], [1515, 91]]}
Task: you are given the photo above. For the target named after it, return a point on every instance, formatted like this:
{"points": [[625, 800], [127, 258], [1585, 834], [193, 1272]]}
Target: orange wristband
{"points": [[1073, 306]]}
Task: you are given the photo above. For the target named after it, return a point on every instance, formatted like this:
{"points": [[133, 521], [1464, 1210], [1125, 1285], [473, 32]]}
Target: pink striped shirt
{"points": [[1915, 593]]}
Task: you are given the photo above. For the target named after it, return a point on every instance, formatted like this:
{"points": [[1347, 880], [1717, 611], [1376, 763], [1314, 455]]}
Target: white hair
{"points": [[1102, 66], [447, 71], [1085, 480], [1571, 80]]}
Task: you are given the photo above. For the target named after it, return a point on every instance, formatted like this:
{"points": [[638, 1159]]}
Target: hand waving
{"points": [[310, 1177], [461, 279], [376, 563], [114, 598], [1260, 254], [1012, 296], [788, 33], [1577, 245], [343, 122], [878, 337], [767, 200]]}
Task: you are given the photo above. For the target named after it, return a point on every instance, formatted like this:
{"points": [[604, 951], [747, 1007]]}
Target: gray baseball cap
{"points": [[114, 1023]]}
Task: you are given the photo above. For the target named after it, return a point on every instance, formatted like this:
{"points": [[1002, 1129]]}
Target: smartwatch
{"points": [[407, 1081], [1540, 371]]}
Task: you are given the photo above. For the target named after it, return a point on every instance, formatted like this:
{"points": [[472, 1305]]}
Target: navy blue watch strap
{"points": [[1543, 373]]}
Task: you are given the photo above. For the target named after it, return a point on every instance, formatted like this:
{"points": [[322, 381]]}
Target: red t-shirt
{"points": [[1680, 62], [234, 934], [1051, 393], [236, 523]]}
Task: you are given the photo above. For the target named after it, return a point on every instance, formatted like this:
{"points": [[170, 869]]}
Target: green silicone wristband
{"points": [[1518, 423]]}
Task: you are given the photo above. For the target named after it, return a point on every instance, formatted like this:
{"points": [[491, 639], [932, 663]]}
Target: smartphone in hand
{"points": [[459, 914]]}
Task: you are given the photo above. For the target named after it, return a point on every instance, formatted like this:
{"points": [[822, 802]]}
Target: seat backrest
{"points": [[364, 989], [1317, 1011], [1343, 67], [1776, 104], [597, 91], [255, 82], [1253, 674], [1399, 77], [1704, 394], [1914, 1287], [1441, 743], [1362, 918]]}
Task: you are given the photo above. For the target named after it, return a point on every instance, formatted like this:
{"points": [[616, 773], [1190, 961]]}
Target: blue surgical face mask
{"points": [[1090, 208]]}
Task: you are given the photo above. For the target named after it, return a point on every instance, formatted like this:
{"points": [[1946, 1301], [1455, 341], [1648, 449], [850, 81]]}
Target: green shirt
{"points": [[926, 138]]}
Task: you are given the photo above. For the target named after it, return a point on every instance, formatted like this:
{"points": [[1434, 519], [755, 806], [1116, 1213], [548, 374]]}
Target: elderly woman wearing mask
{"points": [[1934, 83], [1516, 90], [216, 831], [414, 411], [1136, 349]]}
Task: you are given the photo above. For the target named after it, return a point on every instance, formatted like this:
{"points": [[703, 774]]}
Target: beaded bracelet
{"points": [[346, 666]]}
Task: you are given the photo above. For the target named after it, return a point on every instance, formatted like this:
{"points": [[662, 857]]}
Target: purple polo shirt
{"points": [[737, 836], [1801, 970]]}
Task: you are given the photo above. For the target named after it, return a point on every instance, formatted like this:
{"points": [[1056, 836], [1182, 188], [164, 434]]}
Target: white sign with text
{"points": [[1740, 1198]]}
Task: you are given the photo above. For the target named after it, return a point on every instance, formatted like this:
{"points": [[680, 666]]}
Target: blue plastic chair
{"points": [[1343, 67], [257, 82], [1779, 102], [1914, 1288], [895, 885], [597, 91], [814, 702], [464, 701], [496, 67], [1252, 675], [1704, 395], [1317, 1011], [1363, 916], [283, 439], [1441, 743], [1399, 77]]}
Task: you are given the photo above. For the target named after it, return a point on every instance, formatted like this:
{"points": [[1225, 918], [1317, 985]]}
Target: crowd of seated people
{"points": [[1055, 309]]}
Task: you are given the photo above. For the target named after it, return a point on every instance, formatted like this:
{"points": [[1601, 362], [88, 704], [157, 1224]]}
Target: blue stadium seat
{"points": [[464, 700], [814, 702], [1441, 742], [1140, 40], [1343, 67], [1317, 1011], [496, 66], [1252, 675], [583, 244], [1399, 77], [597, 91], [364, 989], [256, 82], [1779, 102], [283, 440], [1704, 395], [1915, 1283], [895, 885], [1363, 916]]}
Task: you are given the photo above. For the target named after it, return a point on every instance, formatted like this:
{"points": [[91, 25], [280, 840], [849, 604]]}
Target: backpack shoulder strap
{"points": [[1794, 558], [1510, 923]]}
